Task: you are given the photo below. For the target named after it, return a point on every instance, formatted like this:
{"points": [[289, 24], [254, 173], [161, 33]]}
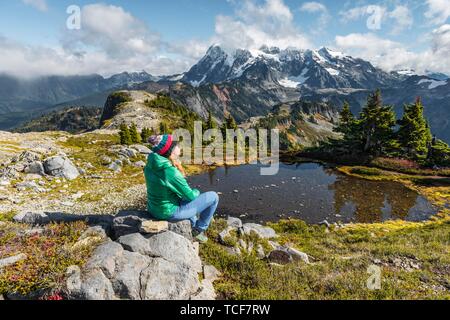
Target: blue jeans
{"points": [[200, 211]]}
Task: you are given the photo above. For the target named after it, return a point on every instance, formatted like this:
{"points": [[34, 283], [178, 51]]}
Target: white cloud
{"points": [[112, 30], [391, 55], [403, 18], [400, 17], [375, 15], [111, 40], [40, 5], [317, 7], [255, 25], [386, 54], [438, 11], [31, 61]]}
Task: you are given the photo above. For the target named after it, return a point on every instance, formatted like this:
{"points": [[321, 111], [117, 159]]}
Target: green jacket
{"points": [[166, 187]]}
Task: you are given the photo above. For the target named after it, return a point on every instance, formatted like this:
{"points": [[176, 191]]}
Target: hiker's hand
{"points": [[177, 164]]}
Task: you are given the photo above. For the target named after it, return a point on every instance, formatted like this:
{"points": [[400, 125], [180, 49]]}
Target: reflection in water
{"points": [[372, 201], [310, 192]]}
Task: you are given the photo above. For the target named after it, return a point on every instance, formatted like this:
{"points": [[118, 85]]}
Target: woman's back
{"points": [[166, 187]]}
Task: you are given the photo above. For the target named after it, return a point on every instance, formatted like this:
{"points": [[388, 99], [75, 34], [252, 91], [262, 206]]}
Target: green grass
{"points": [[340, 259]]}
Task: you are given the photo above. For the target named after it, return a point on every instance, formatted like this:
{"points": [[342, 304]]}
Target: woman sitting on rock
{"points": [[169, 196]]}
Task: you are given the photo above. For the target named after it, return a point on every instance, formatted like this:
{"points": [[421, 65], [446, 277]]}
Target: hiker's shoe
{"points": [[200, 236]]}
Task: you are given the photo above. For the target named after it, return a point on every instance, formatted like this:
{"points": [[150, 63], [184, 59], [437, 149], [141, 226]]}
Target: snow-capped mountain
{"points": [[130, 78], [324, 68]]}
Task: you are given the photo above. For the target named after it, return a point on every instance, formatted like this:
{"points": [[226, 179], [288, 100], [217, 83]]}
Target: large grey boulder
{"points": [[162, 267], [135, 243], [35, 167], [206, 291], [129, 222], [96, 286], [61, 167], [104, 258], [166, 280], [183, 228], [127, 280], [176, 248]]}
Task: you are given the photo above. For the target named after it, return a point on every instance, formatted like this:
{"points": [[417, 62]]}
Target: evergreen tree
{"points": [[163, 128], [376, 124], [346, 120], [439, 153], [125, 137], [414, 134], [210, 123], [145, 134], [230, 122], [135, 136]]}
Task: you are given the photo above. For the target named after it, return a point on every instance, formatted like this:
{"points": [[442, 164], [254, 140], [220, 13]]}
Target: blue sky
{"points": [[168, 36]]}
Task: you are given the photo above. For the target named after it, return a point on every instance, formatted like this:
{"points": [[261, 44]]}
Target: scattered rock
{"points": [[324, 223], [35, 168], [26, 157], [61, 167], [140, 164], [280, 257], [235, 251], [211, 273], [90, 237], [260, 252], [27, 185], [33, 232], [105, 160], [261, 231], [297, 255], [12, 260], [141, 149], [67, 203], [234, 222], [31, 218], [152, 227], [242, 244], [115, 166], [77, 195], [225, 234], [127, 152]]}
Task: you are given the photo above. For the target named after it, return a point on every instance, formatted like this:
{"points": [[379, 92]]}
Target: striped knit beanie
{"points": [[162, 145]]}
